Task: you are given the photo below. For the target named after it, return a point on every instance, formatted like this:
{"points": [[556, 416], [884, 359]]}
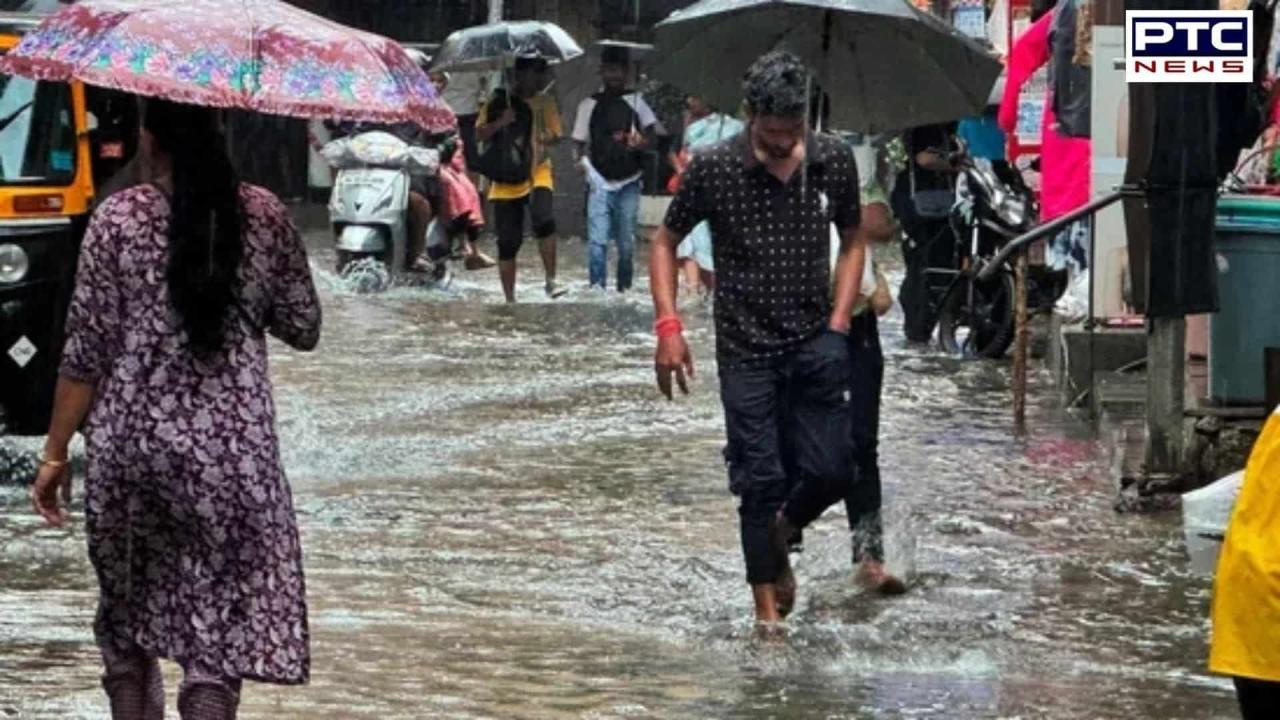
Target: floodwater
{"points": [[502, 519]]}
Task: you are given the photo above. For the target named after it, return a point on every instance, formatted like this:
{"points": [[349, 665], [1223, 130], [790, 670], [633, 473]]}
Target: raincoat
{"points": [[1246, 594], [1065, 167]]}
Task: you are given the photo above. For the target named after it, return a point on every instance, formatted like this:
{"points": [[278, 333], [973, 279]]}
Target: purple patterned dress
{"points": [[190, 520]]}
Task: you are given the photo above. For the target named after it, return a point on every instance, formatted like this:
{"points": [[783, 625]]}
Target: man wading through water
{"points": [[770, 196], [518, 128]]}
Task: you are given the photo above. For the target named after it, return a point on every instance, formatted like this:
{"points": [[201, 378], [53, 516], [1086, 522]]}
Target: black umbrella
{"points": [[885, 64]]}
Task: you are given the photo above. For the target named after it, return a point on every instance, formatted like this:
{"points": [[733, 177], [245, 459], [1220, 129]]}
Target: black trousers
{"points": [[788, 425], [930, 243], [467, 133], [1259, 699], [866, 360], [509, 215]]}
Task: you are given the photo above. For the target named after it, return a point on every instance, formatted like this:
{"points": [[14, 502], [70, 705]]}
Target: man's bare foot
{"points": [[555, 290], [781, 532], [873, 576], [477, 260], [765, 596]]}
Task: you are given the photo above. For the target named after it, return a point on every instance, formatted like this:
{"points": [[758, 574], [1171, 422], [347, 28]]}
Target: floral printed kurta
{"points": [[190, 519]]}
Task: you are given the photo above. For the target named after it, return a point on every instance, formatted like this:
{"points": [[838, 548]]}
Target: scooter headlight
{"points": [[14, 263]]}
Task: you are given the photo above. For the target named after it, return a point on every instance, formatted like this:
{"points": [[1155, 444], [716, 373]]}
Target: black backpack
{"points": [[508, 155], [611, 158]]}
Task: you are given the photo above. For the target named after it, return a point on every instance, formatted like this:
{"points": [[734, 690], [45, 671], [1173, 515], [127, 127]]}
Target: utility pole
{"points": [[1022, 341], [1166, 383], [1166, 119], [495, 11]]}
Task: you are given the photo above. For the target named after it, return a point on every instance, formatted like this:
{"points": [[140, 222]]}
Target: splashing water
{"points": [[366, 275]]}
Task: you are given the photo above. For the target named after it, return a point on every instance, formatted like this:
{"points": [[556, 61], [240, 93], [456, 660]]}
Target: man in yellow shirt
{"points": [[520, 126]]}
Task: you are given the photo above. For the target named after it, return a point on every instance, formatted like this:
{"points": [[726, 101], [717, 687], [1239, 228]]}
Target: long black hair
{"points": [[205, 242]]}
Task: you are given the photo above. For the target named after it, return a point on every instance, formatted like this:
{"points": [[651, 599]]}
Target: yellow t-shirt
{"points": [[546, 130]]}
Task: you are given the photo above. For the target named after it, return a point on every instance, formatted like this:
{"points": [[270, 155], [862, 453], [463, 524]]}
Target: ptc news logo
{"points": [[1188, 46]]}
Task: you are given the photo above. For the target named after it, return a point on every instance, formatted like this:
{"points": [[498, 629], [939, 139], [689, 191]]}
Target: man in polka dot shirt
{"points": [[770, 196]]}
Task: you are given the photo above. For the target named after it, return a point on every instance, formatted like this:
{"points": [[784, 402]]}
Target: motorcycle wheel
{"points": [[993, 314], [344, 259], [363, 273]]}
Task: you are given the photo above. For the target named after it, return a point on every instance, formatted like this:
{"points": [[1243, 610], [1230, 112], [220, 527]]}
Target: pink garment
{"points": [[1065, 162], [458, 194]]}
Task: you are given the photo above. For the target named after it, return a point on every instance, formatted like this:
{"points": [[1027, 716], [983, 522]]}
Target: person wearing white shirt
{"points": [[612, 130]]}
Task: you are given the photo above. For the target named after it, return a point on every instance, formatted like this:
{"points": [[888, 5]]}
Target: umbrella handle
{"points": [[635, 88]]}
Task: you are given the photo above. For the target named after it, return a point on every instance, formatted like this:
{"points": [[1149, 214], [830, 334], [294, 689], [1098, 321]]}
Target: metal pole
{"points": [[1021, 341], [992, 266], [1166, 388], [1090, 321], [495, 11]]}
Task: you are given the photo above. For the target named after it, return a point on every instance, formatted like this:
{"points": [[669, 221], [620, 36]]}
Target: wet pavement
{"points": [[502, 519]]}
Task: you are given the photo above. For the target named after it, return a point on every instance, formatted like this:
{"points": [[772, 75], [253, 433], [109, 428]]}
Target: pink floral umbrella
{"points": [[261, 55]]}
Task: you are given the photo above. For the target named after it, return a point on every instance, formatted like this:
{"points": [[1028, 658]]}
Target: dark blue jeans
{"points": [[789, 428]]}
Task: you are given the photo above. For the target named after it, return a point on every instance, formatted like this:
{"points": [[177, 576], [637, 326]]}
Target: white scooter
{"points": [[369, 208]]}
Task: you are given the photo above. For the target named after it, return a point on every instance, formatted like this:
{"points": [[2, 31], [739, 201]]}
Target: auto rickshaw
{"points": [[46, 194]]}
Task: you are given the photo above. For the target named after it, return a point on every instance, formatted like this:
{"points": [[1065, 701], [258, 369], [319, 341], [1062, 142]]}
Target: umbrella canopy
{"points": [[885, 64], [260, 55], [497, 45], [635, 51]]}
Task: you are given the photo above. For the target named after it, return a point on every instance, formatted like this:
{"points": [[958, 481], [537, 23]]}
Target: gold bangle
{"points": [[55, 464]]}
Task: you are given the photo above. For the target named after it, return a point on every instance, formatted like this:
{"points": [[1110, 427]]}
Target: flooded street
{"points": [[502, 519]]}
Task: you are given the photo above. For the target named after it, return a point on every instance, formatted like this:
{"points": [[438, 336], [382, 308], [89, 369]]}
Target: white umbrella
{"points": [[497, 46]]}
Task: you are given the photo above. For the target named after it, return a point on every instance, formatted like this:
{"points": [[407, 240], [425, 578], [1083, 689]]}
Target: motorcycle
{"points": [[369, 209], [976, 318]]}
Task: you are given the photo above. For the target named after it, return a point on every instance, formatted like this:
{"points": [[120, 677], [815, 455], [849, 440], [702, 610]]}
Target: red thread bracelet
{"points": [[668, 326]]}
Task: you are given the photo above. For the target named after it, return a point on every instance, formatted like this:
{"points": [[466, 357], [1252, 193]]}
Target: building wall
{"points": [[404, 20]]}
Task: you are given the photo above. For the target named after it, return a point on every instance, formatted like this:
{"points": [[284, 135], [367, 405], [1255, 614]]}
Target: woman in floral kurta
{"points": [[190, 521]]}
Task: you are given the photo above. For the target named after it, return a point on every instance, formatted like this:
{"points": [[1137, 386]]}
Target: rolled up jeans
{"points": [[789, 426], [611, 216]]}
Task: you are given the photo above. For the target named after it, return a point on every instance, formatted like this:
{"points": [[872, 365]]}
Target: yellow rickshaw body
{"points": [[46, 195], [75, 197]]}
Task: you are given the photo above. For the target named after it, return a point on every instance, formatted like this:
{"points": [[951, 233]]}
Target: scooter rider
{"points": [[420, 212]]}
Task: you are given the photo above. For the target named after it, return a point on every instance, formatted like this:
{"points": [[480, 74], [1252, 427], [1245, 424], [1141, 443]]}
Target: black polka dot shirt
{"points": [[770, 242]]}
